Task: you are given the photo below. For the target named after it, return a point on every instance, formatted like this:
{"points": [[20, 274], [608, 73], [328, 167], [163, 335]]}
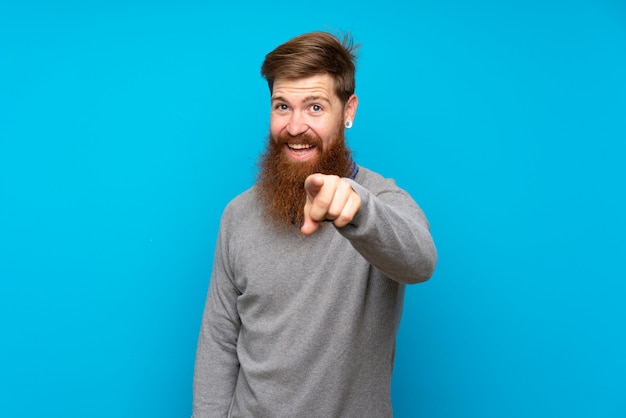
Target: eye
{"points": [[281, 106], [316, 108]]}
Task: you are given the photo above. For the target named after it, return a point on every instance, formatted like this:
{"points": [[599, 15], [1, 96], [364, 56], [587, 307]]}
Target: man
{"points": [[310, 264]]}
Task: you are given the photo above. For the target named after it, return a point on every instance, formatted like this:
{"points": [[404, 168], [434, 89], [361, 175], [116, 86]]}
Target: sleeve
{"points": [[391, 232], [217, 364]]}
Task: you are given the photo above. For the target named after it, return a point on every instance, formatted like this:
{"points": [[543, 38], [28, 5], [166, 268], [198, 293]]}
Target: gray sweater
{"points": [[305, 326]]}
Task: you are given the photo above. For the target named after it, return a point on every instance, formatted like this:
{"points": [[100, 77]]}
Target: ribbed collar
{"points": [[355, 170]]}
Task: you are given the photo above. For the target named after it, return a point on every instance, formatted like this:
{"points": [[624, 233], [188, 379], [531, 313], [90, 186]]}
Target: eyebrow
{"points": [[310, 98], [315, 99]]}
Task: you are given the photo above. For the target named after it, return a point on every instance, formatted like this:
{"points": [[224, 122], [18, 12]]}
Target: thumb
{"points": [[309, 225]]}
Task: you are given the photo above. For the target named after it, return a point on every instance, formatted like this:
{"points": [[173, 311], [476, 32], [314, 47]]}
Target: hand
{"points": [[329, 198]]}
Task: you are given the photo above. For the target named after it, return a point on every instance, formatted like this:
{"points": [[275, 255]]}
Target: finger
{"points": [[309, 226], [340, 198], [323, 200], [313, 184], [349, 211]]}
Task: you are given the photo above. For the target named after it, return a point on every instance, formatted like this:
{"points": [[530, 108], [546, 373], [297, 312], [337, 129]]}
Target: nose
{"points": [[297, 125]]}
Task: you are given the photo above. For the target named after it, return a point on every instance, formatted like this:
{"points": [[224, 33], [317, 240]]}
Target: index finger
{"points": [[313, 184]]}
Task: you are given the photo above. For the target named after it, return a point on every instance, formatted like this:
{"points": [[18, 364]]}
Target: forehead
{"points": [[321, 85]]}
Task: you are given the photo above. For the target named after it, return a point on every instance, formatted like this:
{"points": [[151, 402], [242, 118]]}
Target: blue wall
{"points": [[125, 127]]}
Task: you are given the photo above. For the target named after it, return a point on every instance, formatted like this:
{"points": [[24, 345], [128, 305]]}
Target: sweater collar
{"points": [[354, 170]]}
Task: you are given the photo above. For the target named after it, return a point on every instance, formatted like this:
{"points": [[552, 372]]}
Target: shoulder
{"points": [[243, 200], [374, 182], [240, 207]]}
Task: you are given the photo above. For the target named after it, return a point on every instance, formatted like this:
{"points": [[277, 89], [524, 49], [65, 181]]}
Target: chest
{"points": [[278, 265]]}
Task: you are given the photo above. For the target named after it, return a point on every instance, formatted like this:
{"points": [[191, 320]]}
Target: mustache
{"points": [[303, 138], [280, 181]]}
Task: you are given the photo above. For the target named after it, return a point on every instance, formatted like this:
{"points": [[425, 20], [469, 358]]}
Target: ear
{"points": [[349, 110]]}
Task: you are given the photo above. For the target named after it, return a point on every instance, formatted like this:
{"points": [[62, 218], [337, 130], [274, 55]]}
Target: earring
{"points": [[348, 124]]}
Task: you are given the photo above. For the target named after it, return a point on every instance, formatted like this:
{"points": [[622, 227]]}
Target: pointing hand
{"points": [[329, 198]]}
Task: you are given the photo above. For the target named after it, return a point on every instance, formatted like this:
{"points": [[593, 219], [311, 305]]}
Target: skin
{"points": [[310, 105]]}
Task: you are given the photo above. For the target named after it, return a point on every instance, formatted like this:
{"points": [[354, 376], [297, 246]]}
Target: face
{"points": [[307, 114], [306, 137]]}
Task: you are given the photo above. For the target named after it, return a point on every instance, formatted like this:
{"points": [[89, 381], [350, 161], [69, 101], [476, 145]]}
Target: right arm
{"points": [[217, 365]]}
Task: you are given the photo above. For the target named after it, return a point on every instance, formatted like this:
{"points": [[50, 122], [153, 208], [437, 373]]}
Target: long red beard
{"points": [[280, 183]]}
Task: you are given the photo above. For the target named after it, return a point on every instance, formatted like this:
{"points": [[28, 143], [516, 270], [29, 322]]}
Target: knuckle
{"points": [[343, 219], [333, 213], [317, 214], [322, 201]]}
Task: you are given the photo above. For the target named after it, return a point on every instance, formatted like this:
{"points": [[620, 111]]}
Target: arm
{"points": [[217, 365], [392, 233], [386, 226]]}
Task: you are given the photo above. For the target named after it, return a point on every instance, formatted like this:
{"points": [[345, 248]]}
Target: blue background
{"points": [[125, 127]]}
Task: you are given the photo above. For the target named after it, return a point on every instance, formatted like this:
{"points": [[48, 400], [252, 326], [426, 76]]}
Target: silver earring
{"points": [[348, 124]]}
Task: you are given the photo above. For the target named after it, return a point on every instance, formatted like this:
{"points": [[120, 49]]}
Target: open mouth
{"points": [[300, 150]]}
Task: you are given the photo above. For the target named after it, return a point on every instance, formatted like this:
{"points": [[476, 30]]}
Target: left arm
{"points": [[387, 228]]}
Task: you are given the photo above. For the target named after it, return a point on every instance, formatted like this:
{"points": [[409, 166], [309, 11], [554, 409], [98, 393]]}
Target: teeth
{"points": [[300, 146]]}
